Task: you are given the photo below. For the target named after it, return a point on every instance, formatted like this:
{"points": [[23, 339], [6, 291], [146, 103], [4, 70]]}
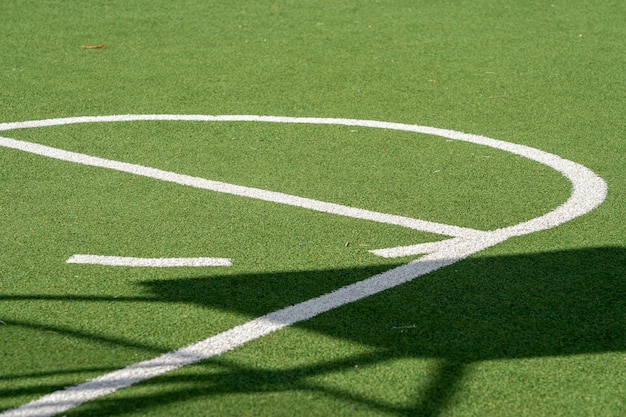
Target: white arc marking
{"points": [[588, 191], [147, 262]]}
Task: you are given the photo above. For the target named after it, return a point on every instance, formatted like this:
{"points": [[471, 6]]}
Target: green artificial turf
{"points": [[535, 326], [402, 173]]}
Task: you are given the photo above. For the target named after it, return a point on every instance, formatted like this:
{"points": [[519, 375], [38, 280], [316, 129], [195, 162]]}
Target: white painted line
{"points": [[63, 400], [411, 250], [147, 262], [588, 191], [238, 190]]}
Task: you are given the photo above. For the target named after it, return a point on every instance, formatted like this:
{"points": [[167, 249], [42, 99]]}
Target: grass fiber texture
{"points": [[535, 326]]}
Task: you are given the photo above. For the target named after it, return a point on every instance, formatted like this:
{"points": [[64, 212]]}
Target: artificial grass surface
{"points": [[534, 326], [532, 340], [392, 172]]}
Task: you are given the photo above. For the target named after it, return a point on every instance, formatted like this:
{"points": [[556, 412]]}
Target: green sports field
{"points": [[194, 196]]}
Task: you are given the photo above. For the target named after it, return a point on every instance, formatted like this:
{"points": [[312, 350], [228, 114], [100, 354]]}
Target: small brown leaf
{"points": [[94, 46]]}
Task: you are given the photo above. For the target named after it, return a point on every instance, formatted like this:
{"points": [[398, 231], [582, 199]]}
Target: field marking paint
{"points": [[419, 249], [238, 190], [588, 191], [146, 262]]}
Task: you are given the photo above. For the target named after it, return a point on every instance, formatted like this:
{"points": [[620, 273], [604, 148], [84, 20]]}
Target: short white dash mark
{"points": [[147, 262]]}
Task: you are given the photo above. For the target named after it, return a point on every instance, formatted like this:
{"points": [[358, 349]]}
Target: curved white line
{"points": [[588, 192]]}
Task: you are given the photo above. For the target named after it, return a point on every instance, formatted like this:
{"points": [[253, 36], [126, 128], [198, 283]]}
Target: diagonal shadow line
{"points": [[430, 402], [236, 379], [535, 305], [33, 390], [48, 297], [433, 401], [91, 337], [240, 379], [13, 377]]}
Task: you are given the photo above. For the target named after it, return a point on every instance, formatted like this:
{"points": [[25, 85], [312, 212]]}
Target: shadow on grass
{"points": [[538, 305]]}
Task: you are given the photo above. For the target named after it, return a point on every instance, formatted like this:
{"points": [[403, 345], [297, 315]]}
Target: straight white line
{"points": [[256, 193], [63, 400], [147, 262], [588, 192], [421, 248]]}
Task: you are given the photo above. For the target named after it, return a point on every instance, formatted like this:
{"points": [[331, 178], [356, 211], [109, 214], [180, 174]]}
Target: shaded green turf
{"points": [[531, 337], [533, 327]]}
